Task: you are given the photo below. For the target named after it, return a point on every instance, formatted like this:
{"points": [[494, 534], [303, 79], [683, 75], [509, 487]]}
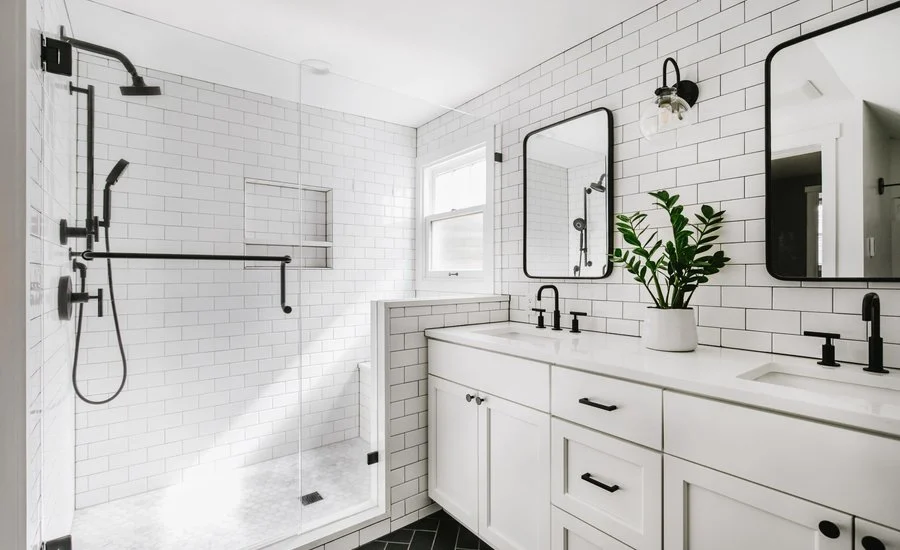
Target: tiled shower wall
{"points": [[718, 159], [51, 174], [214, 366]]}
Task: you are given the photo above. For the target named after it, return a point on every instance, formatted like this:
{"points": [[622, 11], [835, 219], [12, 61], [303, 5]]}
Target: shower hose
{"points": [[112, 299]]}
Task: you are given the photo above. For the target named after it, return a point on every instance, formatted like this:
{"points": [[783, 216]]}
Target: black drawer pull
{"points": [[604, 486], [589, 403]]}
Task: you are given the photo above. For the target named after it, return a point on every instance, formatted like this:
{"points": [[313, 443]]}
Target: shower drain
{"points": [[306, 500]]}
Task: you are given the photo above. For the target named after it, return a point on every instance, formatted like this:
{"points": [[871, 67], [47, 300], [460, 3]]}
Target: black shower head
{"points": [[140, 88], [111, 180], [598, 185], [116, 172]]}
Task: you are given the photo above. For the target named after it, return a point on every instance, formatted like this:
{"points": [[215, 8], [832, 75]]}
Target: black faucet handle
{"points": [[575, 315], [826, 335], [540, 312], [827, 347]]}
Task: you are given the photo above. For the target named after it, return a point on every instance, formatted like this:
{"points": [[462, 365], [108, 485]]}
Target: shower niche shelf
{"points": [[288, 219]]}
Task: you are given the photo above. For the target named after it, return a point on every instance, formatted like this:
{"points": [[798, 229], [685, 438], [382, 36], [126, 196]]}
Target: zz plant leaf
{"points": [[671, 270]]}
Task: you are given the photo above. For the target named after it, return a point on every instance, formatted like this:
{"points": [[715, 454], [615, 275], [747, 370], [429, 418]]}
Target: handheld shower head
{"points": [[111, 180], [116, 172]]}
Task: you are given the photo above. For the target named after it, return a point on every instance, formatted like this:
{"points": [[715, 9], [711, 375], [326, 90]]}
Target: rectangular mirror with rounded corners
{"points": [[833, 152], [569, 198]]}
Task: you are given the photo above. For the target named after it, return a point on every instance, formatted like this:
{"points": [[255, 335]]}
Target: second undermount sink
{"points": [[847, 384]]}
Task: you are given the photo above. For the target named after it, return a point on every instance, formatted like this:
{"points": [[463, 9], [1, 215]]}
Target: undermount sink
{"points": [[526, 336], [848, 384]]}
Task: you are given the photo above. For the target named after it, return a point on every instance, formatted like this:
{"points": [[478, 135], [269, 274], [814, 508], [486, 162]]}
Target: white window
{"points": [[455, 229]]}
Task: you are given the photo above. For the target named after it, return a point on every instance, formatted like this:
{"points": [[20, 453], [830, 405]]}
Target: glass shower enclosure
{"points": [[251, 414]]}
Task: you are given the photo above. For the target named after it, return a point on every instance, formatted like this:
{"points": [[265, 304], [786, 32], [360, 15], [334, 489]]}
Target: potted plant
{"points": [[671, 270]]}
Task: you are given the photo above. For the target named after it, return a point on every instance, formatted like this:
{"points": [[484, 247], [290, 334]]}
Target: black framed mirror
{"points": [[568, 198], [833, 152]]}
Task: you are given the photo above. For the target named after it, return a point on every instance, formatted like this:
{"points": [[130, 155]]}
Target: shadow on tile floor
{"points": [[436, 532]]}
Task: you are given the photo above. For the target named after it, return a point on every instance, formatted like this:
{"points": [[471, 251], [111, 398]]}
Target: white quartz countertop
{"points": [[709, 372]]}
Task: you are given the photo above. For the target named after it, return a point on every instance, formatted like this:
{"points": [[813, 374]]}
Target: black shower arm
{"points": [[101, 50], [284, 260]]}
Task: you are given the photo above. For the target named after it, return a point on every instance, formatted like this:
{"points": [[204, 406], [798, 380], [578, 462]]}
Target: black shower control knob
{"points": [[829, 529], [872, 543]]}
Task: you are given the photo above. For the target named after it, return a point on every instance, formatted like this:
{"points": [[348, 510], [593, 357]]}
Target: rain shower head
{"points": [[139, 88]]}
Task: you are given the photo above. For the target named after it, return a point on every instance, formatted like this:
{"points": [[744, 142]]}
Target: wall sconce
{"points": [[670, 107]]}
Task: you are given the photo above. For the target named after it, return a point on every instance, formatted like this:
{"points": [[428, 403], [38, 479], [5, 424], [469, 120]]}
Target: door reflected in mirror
{"points": [[568, 198], [833, 164]]}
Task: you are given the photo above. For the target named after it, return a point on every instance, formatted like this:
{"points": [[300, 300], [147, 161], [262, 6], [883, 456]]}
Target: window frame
{"points": [[454, 156]]}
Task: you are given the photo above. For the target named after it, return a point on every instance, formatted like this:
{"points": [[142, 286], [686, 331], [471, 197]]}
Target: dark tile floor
{"points": [[436, 532]]}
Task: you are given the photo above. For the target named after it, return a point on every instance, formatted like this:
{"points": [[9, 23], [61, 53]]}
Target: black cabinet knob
{"points": [[479, 400], [469, 397], [829, 529], [871, 543]]}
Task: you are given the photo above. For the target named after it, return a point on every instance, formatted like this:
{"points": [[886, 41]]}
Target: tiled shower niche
{"points": [[287, 219]]}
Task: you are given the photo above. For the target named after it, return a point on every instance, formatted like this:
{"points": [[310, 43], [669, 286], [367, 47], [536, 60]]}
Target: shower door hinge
{"points": [[56, 56], [372, 458], [62, 543], [498, 157]]}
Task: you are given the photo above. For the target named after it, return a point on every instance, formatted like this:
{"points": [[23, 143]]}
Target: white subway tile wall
{"points": [[408, 381], [215, 376], [50, 187], [718, 159]]}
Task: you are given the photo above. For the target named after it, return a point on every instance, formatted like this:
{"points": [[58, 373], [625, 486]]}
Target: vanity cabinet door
{"points": [[514, 487], [453, 449], [871, 536], [708, 510]]}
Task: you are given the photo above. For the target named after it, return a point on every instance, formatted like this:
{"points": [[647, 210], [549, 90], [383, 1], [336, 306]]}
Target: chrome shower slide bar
{"points": [[284, 260]]}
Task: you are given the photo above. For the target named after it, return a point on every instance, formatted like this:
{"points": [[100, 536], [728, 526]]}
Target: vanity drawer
{"points": [[519, 380], [638, 409], [570, 533], [609, 483], [844, 469]]}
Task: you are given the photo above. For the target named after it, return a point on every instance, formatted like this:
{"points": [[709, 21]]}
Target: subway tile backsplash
{"points": [[719, 159]]}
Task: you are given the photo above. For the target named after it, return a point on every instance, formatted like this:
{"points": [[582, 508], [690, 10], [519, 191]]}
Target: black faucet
{"points": [[871, 311], [556, 314]]}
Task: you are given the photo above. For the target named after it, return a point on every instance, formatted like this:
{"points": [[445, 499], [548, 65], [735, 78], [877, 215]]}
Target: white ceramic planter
{"points": [[669, 329]]}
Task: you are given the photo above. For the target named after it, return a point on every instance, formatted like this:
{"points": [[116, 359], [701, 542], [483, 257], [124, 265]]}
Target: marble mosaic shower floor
{"points": [[237, 510]]}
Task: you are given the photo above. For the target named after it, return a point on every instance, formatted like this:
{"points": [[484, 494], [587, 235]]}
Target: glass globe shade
{"points": [[667, 111]]}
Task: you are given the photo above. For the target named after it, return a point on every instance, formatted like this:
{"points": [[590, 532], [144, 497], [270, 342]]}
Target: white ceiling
{"points": [[431, 53]]}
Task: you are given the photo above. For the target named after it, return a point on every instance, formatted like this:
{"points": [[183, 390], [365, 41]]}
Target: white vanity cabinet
{"points": [[489, 455], [708, 510], [536, 457], [453, 449]]}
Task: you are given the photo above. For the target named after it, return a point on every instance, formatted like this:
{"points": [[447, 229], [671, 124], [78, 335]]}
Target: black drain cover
{"points": [[311, 498]]}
